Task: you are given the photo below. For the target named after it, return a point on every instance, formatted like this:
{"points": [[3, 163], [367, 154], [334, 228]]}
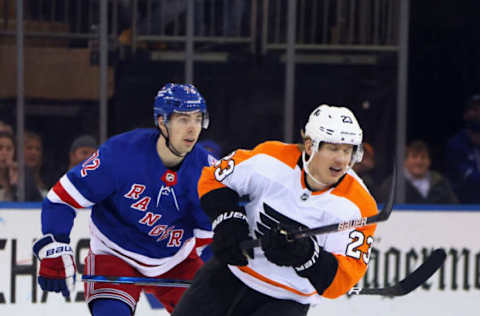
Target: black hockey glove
{"points": [[283, 252], [304, 254], [231, 228]]}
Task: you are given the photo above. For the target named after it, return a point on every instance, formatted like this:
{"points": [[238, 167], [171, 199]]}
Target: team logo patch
{"points": [[271, 218], [170, 178]]}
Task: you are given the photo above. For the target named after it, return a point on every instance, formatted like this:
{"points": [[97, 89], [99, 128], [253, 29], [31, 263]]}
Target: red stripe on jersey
{"points": [[200, 242], [64, 196]]}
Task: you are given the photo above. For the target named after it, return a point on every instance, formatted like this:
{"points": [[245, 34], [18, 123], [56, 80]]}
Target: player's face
{"points": [[330, 162], [184, 130]]}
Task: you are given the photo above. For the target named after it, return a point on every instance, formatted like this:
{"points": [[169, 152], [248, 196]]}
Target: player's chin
{"points": [[332, 179], [187, 148]]}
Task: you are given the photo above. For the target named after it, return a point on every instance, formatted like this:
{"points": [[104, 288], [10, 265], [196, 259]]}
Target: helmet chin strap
{"points": [[305, 167], [170, 146]]}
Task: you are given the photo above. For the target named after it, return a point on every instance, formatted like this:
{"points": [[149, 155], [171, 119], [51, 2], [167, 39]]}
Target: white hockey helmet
{"points": [[336, 125]]}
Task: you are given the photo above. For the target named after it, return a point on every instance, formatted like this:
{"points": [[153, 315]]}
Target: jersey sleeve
{"points": [[238, 170], [221, 185], [202, 229], [351, 249], [226, 173], [81, 187]]}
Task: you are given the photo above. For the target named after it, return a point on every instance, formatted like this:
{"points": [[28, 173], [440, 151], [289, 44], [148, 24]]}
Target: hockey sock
{"points": [[108, 307]]}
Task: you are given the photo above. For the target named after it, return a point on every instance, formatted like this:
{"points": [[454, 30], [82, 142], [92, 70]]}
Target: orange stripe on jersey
{"points": [[207, 181], [286, 153], [257, 275], [304, 185], [351, 270], [351, 189]]}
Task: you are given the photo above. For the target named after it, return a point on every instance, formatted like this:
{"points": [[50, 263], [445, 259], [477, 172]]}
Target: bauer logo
{"points": [[57, 250]]}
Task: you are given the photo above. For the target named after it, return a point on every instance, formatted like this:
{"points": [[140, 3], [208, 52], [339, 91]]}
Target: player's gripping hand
{"points": [[230, 229], [297, 253], [57, 267]]}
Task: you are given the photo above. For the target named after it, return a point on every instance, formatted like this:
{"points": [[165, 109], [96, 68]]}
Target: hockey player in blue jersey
{"points": [[146, 218]]}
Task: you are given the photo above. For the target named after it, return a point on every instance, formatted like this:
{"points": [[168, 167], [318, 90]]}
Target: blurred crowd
{"points": [[37, 180], [457, 183]]}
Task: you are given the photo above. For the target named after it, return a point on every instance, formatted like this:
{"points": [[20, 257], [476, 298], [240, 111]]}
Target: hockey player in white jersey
{"points": [[289, 187], [146, 217]]}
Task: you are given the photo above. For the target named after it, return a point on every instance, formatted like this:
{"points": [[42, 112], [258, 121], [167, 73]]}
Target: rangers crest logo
{"points": [[170, 178]]}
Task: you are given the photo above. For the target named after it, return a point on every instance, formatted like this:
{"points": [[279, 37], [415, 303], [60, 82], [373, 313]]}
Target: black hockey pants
{"points": [[217, 292]]}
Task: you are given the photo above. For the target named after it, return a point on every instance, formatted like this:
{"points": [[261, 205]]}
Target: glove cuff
{"points": [[312, 260], [229, 215], [48, 247], [321, 272]]}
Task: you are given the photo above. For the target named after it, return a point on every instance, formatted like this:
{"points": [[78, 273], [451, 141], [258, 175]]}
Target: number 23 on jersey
{"points": [[224, 167], [358, 239]]}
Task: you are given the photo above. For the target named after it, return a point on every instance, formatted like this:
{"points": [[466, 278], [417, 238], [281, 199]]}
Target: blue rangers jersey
{"points": [[141, 212]]}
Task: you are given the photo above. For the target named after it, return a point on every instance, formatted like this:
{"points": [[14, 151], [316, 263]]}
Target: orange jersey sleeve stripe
{"points": [[351, 189], [350, 270], [271, 282], [207, 181], [287, 153]]}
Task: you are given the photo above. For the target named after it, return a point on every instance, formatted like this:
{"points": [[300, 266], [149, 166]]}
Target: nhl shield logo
{"points": [[304, 196]]}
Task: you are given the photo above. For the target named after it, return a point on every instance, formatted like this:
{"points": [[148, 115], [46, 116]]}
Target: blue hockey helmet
{"points": [[179, 98]]}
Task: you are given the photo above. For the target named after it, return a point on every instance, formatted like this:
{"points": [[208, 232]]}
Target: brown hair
{"points": [[4, 134], [417, 146], [30, 134]]}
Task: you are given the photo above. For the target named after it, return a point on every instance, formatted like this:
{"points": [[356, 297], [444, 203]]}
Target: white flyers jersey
{"points": [[272, 177]]}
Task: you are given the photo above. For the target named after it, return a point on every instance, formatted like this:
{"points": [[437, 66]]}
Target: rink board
{"points": [[402, 242]]}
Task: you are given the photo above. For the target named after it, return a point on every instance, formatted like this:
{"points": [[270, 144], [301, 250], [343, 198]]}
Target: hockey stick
{"points": [[382, 216], [136, 280], [411, 281], [407, 285]]}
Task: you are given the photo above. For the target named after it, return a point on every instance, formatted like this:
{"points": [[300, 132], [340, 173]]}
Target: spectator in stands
{"points": [[9, 172], [82, 148], [365, 168], [33, 153], [422, 185], [8, 167], [4, 127], [463, 155]]}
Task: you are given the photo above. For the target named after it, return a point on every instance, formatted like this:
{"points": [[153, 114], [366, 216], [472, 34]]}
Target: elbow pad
{"points": [[219, 201]]}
